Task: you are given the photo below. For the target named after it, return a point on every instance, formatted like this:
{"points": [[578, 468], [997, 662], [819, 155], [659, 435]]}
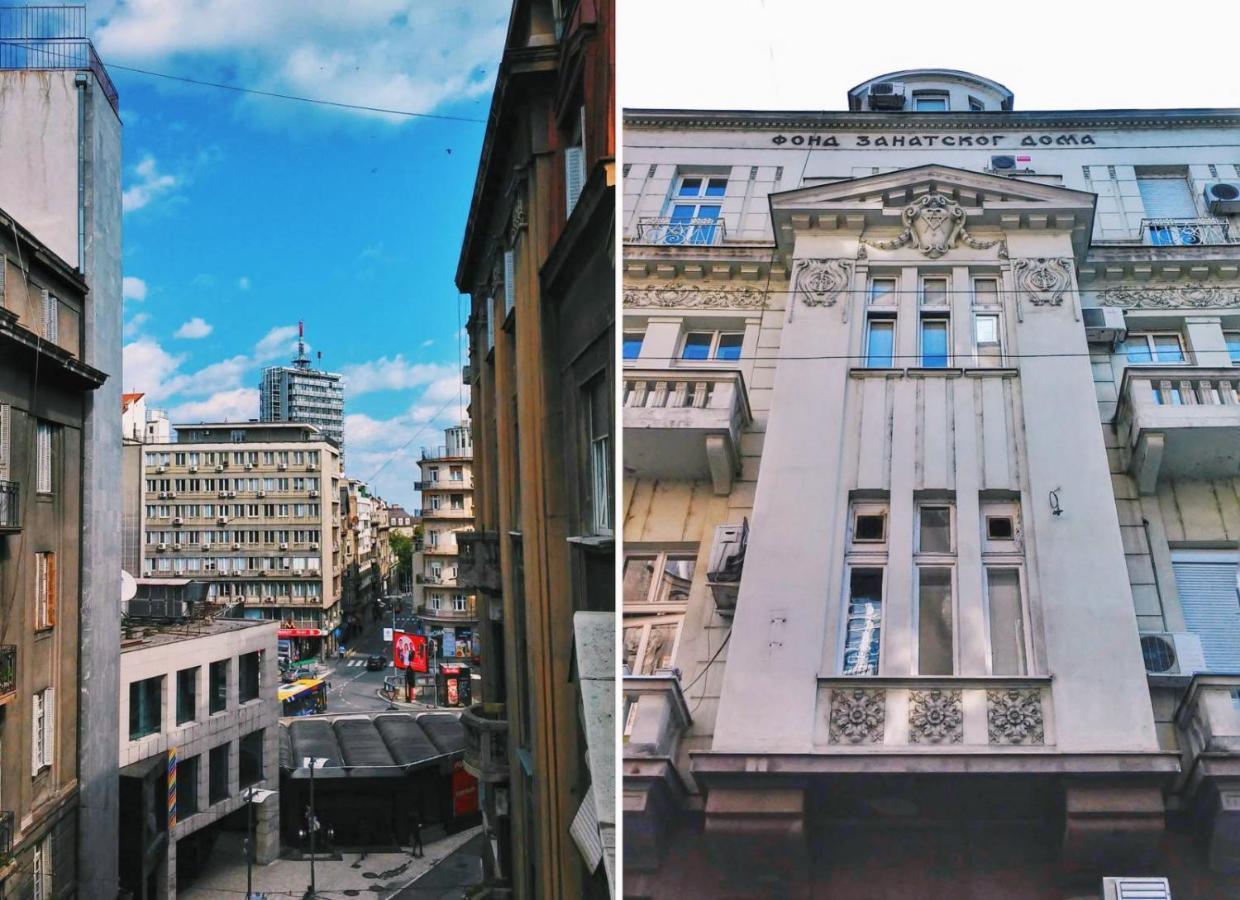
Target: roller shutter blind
{"points": [[1211, 604], [1167, 197]]}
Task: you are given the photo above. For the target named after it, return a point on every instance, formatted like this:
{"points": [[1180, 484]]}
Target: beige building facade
{"points": [[931, 467]]}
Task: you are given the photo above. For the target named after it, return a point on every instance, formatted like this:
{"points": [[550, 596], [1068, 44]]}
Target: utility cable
{"points": [[399, 449]]}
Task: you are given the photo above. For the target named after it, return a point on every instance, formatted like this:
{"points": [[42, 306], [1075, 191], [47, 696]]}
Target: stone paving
{"points": [[379, 875]]}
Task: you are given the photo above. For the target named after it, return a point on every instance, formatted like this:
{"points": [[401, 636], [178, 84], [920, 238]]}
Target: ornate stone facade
{"points": [[821, 281], [1042, 281], [935, 717], [935, 224], [857, 716], [1014, 716], [693, 298], [1189, 297]]}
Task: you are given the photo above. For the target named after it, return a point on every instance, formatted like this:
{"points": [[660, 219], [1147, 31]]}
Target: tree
{"points": [[402, 549]]}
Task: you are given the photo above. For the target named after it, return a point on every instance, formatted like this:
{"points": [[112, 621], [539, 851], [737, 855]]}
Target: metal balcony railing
{"points": [[7, 826], [8, 669], [448, 612], [10, 506], [1187, 232], [688, 232], [51, 37], [442, 452]]}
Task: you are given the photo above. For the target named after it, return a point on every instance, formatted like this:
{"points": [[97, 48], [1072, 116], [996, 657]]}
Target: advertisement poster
{"points": [[449, 643], [409, 651], [464, 791]]}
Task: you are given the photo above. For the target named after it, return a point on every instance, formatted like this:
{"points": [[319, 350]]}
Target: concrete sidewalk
{"points": [[379, 875]]}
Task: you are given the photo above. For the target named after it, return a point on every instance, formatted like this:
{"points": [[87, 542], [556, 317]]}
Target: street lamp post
{"points": [[312, 763]]}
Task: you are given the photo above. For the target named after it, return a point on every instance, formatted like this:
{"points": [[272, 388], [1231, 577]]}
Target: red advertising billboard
{"points": [[409, 651], [464, 791]]}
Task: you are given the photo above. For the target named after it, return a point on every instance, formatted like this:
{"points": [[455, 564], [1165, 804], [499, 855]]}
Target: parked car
{"points": [[376, 663]]}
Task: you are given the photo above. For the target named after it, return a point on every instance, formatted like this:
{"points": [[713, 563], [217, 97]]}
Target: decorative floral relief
{"points": [[694, 298], [935, 224], [857, 716], [1014, 716], [1042, 280], [821, 281], [1171, 298], [518, 220], [935, 717]]}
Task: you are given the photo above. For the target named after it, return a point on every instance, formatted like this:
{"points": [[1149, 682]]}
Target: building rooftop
{"points": [[128, 400], [158, 635]]}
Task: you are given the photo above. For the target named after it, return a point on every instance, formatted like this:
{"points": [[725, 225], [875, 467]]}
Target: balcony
{"points": [[1187, 233], [685, 424], [8, 673], [486, 742], [1179, 422], [1208, 723], [443, 452], [446, 512], [441, 550], [10, 507], [468, 614], [51, 37], [8, 826], [656, 717], [707, 232], [478, 562]]}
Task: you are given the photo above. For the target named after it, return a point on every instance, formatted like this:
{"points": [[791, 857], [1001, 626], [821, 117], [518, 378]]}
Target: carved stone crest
{"points": [[821, 281], [694, 298], [935, 224], [1171, 297], [1042, 281], [935, 717], [857, 716], [1014, 716], [518, 220]]}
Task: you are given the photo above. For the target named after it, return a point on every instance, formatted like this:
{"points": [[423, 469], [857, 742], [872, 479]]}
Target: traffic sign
{"points": [[387, 635]]}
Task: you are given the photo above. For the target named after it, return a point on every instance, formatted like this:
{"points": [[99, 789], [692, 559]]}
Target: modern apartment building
{"points": [[45, 386], [538, 261], [446, 605], [302, 393], [932, 444], [252, 508], [198, 733], [60, 178]]}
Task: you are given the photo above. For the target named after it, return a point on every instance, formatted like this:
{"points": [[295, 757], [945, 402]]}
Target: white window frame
{"points": [[41, 874], [51, 317], [947, 292], [995, 304], [893, 294], [43, 732], [1016, 565], [935, 316], [1228, 338], [647, 625], [44, 457], [988, 313], [870, 321], [660, 559], [712, 351], [45, 587], [936, 559], [640, 336], [878, 562], [1148, 337], [945, 96], [869, 508]]}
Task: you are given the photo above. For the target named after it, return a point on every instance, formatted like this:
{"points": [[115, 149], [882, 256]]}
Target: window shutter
{"points": [[51, 589], [1167, 198], [574, 174], [1208, 598], [36, 735], [50, 323], [44, 438], [40, 596], [510, 283], [5, 441], [4, 269], [49, 726]]}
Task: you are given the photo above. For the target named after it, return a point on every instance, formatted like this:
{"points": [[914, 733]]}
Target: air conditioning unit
{"points": [[163, 495], [1104, 324], [236, 546], [178, 521], [283, 545], [249, 466], [1123, 888], [727, 558], [205, 545], [176, 546], [219, 467], [224, 495], [193, 468], [161, 469], [222, 520], [314, 546], [260, 494], [1172, 653], [1223, 197], [161, 547], [172, 495], [314, 493], [281, 466], [232, 495], [312, 467], [887, 95]]}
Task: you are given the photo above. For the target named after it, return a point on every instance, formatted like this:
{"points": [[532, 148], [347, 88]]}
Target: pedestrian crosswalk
{"points": [[353, 663]]}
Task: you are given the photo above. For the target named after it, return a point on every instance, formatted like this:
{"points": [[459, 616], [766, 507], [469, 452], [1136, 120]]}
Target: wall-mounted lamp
{"points": [[1056, 509]]}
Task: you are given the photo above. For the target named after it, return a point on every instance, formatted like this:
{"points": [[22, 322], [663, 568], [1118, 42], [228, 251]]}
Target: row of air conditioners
{"points": [[228, 495], [167, 495]]}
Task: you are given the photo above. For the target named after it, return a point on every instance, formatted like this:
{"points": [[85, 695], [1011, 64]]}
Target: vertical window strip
{"points": [[43, 440]]}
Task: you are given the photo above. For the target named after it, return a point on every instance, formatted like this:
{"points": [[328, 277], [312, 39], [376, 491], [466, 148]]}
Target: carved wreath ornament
{"points": [[935, 224], [857, 716], [821, 281], [1015, 716], [935, 717], [1171, 298], [1042, 281]]}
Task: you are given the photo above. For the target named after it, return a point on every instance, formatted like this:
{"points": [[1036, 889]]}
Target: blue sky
{"points": [[245, 214]]}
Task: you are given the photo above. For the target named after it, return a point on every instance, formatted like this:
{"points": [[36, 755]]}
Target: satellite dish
{"points": [[129, 587]]}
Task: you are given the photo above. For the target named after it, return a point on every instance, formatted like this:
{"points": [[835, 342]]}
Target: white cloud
{"points": [[276, 342], [193, 329], [237, 405], [428, 342], [227, 374], [147, 367], [400, 54], [150, 184], [133, 288], [394, 374], [134, 325], [243, 283]]}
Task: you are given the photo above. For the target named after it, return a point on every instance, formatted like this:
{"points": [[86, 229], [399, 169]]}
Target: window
{"points": [[217, 785], [934, 291], [43, 731], [934, 529], [934, 342], [217, 696], [721, 345], [987, 345], [1007, 627], [41, 870], [696, 208], [929, 101], [883, 291], [248, 668], [986, 291], [510, 280], [869, 523], [880, 342], [1152, 347], [934, 621], [250, 761], [187, 695], [598, 438], [1233, 350], [43, 441], [45, 590], [575, 162], [650, 643], [187, 787], [633, 344], [1208, 584], [976, 105], [863, 621], [51, 317], [658, 581], [146, 699], [1168, 197]]}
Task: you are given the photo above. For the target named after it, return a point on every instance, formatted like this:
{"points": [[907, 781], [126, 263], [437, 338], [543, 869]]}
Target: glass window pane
{"points": [[658, 653], [934, 622], [870, 527], [985, 291], [987, 329], [1007, 636], [1233, 345], [930, 104], [934, 292], [709, 211], [863, 629], [690, 187], [1137, 349], [880, 344], [697, 346], [638, 574], [632, 641], [936, 529], [883, 291], [683, 212], [934, 343], [1167, 348], [633, 345], [729, 346], [716, 187], [675, 581]]}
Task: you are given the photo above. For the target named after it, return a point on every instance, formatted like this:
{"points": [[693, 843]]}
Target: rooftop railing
{"points": [[51, 37]]}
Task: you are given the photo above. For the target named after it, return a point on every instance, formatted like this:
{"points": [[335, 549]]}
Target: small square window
{"points": [[870, 527], [690, 187], [985, 291], [930, 102], [882, 291], [936, 529], [1000, 528], [934, 292]]}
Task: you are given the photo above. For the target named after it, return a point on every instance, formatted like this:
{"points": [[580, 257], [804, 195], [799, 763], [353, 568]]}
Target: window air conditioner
{"points": [[1104, 325], [176, 546], [193, 468], [314, 546], [1223, 197], [161, 547], [312, 467], [206, 545], [1136, 889], [163, 495], [219, 468], [283, 545], [236, 546], [727, 558], [161, 469], [172, 495], [178, 521], [260, 494], [224, 494], [281, 466], [222, 520], [249, 466], [1177, 653], [887, 95]]}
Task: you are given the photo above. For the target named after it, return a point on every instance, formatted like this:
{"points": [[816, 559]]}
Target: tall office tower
{"points": [[303, 394], [60, 178]]}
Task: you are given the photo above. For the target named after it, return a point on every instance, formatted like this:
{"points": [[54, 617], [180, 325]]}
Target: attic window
{"points": [[930, 101], [976, 105]]}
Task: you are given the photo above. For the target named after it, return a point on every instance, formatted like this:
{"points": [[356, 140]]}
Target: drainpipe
{"points": [[82, 83]]}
